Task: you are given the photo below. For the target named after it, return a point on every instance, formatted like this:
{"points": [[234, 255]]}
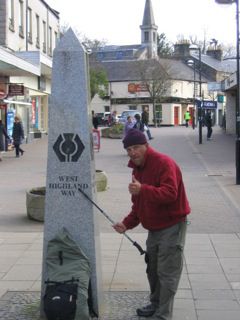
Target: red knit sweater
{"points": [[162, 201]]}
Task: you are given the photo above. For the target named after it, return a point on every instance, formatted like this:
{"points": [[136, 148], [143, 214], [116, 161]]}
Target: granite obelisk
{"points": [[70, 162]]}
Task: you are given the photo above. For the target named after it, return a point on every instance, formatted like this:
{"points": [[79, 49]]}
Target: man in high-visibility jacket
{"points": [[187, 117]]}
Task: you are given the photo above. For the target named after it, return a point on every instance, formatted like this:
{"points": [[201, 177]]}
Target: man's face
{"points": [[137, 153]]}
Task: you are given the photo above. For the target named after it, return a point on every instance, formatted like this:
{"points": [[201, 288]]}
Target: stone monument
{"points": [[70, 163]]}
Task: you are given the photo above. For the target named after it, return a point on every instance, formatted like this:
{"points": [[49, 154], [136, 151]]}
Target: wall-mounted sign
{"points": [[137, 87], [214, 86], [207, 104], [15, 90]]}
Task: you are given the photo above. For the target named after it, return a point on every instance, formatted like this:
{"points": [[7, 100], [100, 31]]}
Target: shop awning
{"points": [[17, 102]]}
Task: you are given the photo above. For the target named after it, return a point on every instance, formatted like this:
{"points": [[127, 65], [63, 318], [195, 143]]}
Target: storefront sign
{"points": [[207, 104], [214, 86], [137, 87], [15, 90]]}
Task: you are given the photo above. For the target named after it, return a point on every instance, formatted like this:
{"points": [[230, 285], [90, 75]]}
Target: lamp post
{"points": [[200, 92], [192, 63], [237, 151]]}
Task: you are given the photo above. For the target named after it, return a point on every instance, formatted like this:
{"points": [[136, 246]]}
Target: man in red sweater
{"points": [[160, 204]]}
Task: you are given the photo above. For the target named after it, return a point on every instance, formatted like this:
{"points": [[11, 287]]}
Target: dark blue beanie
{"points": [[133, 137]]}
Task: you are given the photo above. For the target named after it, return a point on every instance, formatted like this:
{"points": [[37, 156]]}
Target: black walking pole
{"points": [[140, 249]]}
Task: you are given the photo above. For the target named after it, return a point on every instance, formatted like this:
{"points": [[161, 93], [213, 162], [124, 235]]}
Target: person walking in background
{"points": [[138, 124], [160, 204], [208, 124], [145, 120], [18, 135], [187, 118], [128, 125], [3, 133], [95, 121]]}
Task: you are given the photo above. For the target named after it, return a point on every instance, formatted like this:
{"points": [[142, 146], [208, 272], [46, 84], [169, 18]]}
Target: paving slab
{"points": [[210, 284]]}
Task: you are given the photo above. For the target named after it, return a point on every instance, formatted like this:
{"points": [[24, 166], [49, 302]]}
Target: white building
{"points": [[121, 65], [29, 31]]}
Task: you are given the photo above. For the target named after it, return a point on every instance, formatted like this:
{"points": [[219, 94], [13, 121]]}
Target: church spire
{"points": [[149, 30]]}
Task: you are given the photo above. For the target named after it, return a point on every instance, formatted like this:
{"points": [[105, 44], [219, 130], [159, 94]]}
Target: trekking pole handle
{"points": [[137, 245], [140, 249]]}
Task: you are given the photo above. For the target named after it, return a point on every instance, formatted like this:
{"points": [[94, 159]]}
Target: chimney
{"points": [[215, 53], [181, 49]]}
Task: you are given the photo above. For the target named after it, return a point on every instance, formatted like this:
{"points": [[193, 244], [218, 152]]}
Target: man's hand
{"points": [[119, 227], [135, 186]]}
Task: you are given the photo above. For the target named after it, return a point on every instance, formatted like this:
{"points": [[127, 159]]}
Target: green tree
{"points": [[164, 48], [98, 82]]}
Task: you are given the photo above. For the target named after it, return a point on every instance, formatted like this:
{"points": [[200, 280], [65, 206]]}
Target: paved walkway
{"points": [[210, 284]]}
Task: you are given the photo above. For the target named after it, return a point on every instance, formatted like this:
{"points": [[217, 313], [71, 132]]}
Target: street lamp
{"points": [[237, 151], [195, 48], [192, 63]]}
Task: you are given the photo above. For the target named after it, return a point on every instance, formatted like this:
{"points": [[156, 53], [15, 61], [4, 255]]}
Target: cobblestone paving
{"points": [[25, 305]]}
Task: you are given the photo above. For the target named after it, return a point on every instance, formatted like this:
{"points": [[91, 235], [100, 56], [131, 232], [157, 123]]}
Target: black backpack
{"points": [[60, 299]]}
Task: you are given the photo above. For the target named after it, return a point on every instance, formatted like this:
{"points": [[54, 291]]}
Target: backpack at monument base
{"points": [[66, 295], [60, 300]]}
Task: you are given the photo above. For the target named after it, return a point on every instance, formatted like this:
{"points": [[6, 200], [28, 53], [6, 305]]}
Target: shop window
{"points": [[132, 107], [158, 110]]}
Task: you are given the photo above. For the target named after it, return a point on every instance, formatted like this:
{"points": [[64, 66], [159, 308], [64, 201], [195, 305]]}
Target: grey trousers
{"points": [[165, 253]]}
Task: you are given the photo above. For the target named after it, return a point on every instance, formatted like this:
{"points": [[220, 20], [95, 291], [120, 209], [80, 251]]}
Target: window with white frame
{"points": [[29, 24], [11, 14], [38, 31], [50, 41], [44, 36], [21, 19], [56, 38]]}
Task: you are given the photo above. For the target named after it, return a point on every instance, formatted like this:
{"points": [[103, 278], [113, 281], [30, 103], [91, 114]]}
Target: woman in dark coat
{"points": [[18, 135], [3, 133]]}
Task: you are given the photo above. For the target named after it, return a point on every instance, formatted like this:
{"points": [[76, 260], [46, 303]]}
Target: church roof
{"points": [[148, 17]]}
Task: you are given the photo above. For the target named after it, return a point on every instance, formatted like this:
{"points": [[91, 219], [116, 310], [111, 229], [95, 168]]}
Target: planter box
{"points": [[101, 180], [105, 132], [115, 135], [35, 203], [35, 198]]}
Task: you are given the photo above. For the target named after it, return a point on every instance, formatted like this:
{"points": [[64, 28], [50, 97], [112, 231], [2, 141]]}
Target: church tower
{"points": [[149, 31]]}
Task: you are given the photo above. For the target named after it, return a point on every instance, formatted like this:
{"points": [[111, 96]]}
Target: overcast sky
{"points": [[118, 21]]}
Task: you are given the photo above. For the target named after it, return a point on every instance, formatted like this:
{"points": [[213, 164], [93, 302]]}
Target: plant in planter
{"points": [[116, 131]]}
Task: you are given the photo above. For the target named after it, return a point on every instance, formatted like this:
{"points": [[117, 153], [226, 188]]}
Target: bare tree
{"points": [[154, 76]]}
